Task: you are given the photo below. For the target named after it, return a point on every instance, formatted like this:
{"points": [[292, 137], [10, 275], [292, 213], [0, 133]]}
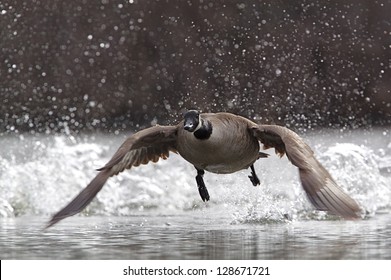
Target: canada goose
{"points": [[220, 143]]}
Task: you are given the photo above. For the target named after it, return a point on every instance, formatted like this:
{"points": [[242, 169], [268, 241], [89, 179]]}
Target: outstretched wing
{"points": [[142, 147], [321, 189]]}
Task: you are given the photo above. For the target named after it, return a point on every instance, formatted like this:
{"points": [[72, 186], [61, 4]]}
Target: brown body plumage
{"points": [[220, 143]]}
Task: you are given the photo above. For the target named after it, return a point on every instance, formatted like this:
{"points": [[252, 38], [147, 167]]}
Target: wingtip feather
{"points": [[326, 195], [81, 200]]}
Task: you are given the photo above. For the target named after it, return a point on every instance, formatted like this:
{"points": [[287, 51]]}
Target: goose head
{"points": [[192, 121]]}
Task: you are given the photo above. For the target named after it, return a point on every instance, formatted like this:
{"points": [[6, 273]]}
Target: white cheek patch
{"points": [[199, 123]]}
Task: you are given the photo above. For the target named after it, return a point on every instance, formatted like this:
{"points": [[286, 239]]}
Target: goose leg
{"points": [[253, 177], [201, 185]]}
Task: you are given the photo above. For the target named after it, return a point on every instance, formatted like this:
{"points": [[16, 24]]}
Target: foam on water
{"points": [[44, 173], [40, 175], [360, 170]]}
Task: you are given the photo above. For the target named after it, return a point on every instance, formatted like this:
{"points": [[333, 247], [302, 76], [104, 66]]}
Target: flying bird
{"points": [[220, 143]]}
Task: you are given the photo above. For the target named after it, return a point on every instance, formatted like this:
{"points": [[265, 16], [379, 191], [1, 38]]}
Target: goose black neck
{"points": [[204, 131]]}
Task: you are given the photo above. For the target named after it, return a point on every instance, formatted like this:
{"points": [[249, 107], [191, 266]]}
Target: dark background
{"points": [[115, 65]]}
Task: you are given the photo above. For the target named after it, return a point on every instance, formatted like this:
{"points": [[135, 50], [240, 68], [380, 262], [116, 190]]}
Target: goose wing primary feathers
{"points": [[142, 147], [321, 189]]}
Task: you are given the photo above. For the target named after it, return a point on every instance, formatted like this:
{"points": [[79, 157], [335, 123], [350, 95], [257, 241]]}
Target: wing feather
{"points": [[321, 189], [147, 145]]}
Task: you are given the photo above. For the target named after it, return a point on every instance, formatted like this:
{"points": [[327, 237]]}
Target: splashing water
{"points": [[40, 175], [359, 170]]}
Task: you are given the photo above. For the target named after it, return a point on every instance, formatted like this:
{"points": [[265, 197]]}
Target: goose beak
{"points": [[189, 126]]}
